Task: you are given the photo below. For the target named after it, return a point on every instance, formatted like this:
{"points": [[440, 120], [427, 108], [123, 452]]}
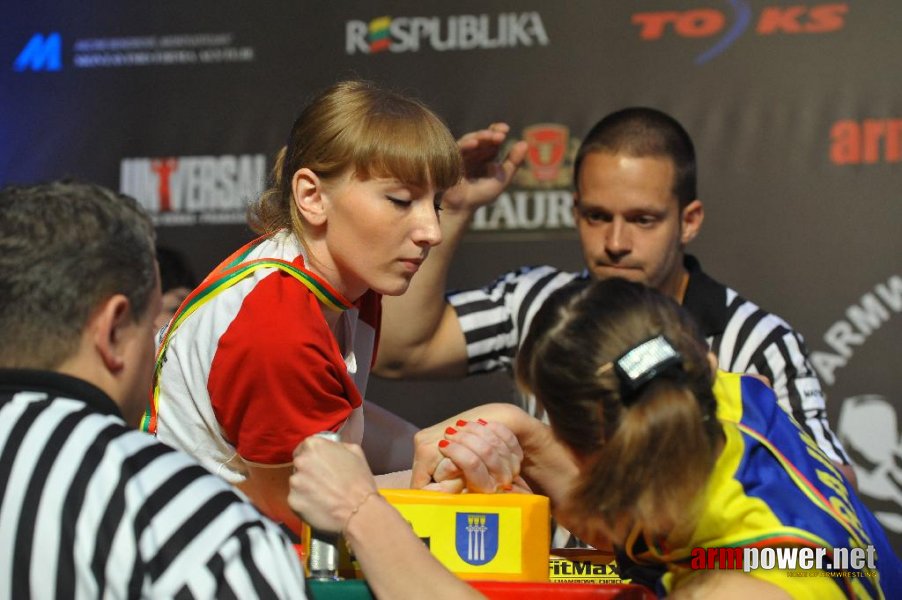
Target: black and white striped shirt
{"points": [[745, 338], [90, 508]]}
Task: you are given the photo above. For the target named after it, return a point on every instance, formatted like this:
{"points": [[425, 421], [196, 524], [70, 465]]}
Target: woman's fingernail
{"points": [[461, 422], [507, 487], [482, 421], [450, 431], [443, 444]]}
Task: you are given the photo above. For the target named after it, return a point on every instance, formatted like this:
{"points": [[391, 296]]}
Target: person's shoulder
{"points": [[517, 282], [740, 305], [699, 277], [223, 295], [124, 454], [269, 289], [542, 274], [159, 480], [160, 470], [737, 304], [276, 318]]}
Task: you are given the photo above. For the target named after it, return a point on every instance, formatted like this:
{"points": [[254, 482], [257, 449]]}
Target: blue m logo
{"points": [[41, 54], [476, 537]]}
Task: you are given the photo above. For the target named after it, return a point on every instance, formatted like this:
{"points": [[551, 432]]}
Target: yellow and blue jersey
{"points": [[773, 487]]}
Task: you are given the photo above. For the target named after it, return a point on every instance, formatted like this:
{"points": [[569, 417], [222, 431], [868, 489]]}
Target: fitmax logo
{"points": [[41, 53], [707, 22]]}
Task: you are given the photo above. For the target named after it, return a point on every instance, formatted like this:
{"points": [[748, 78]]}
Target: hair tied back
{"points": [[642, 363]]}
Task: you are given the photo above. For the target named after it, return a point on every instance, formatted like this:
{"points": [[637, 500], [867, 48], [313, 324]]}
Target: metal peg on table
{"points": [[323, 558]]}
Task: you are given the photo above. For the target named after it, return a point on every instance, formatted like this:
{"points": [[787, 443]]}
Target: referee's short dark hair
{"points": [[65, 247], [644, 132]]}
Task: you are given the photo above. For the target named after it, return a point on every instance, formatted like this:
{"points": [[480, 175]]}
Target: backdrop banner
{"points": [[795, 109]]}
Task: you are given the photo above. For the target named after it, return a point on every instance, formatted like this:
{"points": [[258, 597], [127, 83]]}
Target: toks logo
{"points": [[194, 189], [707, 22], [459, 32]]}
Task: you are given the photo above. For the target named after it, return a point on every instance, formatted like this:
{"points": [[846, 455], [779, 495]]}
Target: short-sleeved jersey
{"points": [[262, 363], [773, 487]]}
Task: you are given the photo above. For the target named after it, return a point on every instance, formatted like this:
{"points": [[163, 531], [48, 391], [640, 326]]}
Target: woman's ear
{"points": [[307, 192]]}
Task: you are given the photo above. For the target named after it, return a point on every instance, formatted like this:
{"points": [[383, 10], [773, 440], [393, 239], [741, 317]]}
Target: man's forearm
{"points": [[394, 560]]}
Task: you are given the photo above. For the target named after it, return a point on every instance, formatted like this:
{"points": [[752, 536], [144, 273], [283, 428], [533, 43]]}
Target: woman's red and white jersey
{"points": [[256, 367]]}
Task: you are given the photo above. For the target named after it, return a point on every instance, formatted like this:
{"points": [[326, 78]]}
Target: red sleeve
{"points": [[277, 376]]}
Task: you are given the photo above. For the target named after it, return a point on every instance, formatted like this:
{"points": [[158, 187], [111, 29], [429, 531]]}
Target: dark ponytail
{"points": [[645, 457]]}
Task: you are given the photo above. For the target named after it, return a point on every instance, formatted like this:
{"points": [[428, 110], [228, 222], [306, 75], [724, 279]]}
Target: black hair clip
{"points": [[642, 363]]}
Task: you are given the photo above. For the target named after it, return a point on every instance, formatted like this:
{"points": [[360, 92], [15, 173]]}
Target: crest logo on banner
{"points": [[476, 537], [540, 196], [707, 22], [41, 54], [547, 150], [549, 159]]}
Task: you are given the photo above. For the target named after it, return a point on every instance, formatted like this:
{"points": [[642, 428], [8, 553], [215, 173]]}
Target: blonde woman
{"points": [[276, 344]]}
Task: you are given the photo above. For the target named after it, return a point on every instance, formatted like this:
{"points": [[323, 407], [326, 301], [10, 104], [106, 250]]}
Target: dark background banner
{"points": [[795, 108]]}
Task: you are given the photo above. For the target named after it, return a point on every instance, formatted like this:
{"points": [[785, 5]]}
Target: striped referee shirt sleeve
{"points": [[495, 318], [93, 508]]}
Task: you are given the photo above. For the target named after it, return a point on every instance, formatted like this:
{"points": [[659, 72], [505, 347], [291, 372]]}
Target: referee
{"points": [[636, 209], [90, 507]]}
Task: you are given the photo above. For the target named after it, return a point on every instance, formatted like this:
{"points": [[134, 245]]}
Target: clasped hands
{"points": [[459, 456], [331, 480]]}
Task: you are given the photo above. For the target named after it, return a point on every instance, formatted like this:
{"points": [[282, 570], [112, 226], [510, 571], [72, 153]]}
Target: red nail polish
{"points": [[443, 444], [482, 421], [450, 430], [461, 422], [507, 487]]}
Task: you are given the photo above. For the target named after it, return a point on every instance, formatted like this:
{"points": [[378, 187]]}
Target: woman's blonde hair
{"points": [[646, 455], [372, 131]]}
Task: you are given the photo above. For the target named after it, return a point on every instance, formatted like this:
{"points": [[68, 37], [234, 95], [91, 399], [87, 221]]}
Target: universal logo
{"points": [[189, 190]]}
